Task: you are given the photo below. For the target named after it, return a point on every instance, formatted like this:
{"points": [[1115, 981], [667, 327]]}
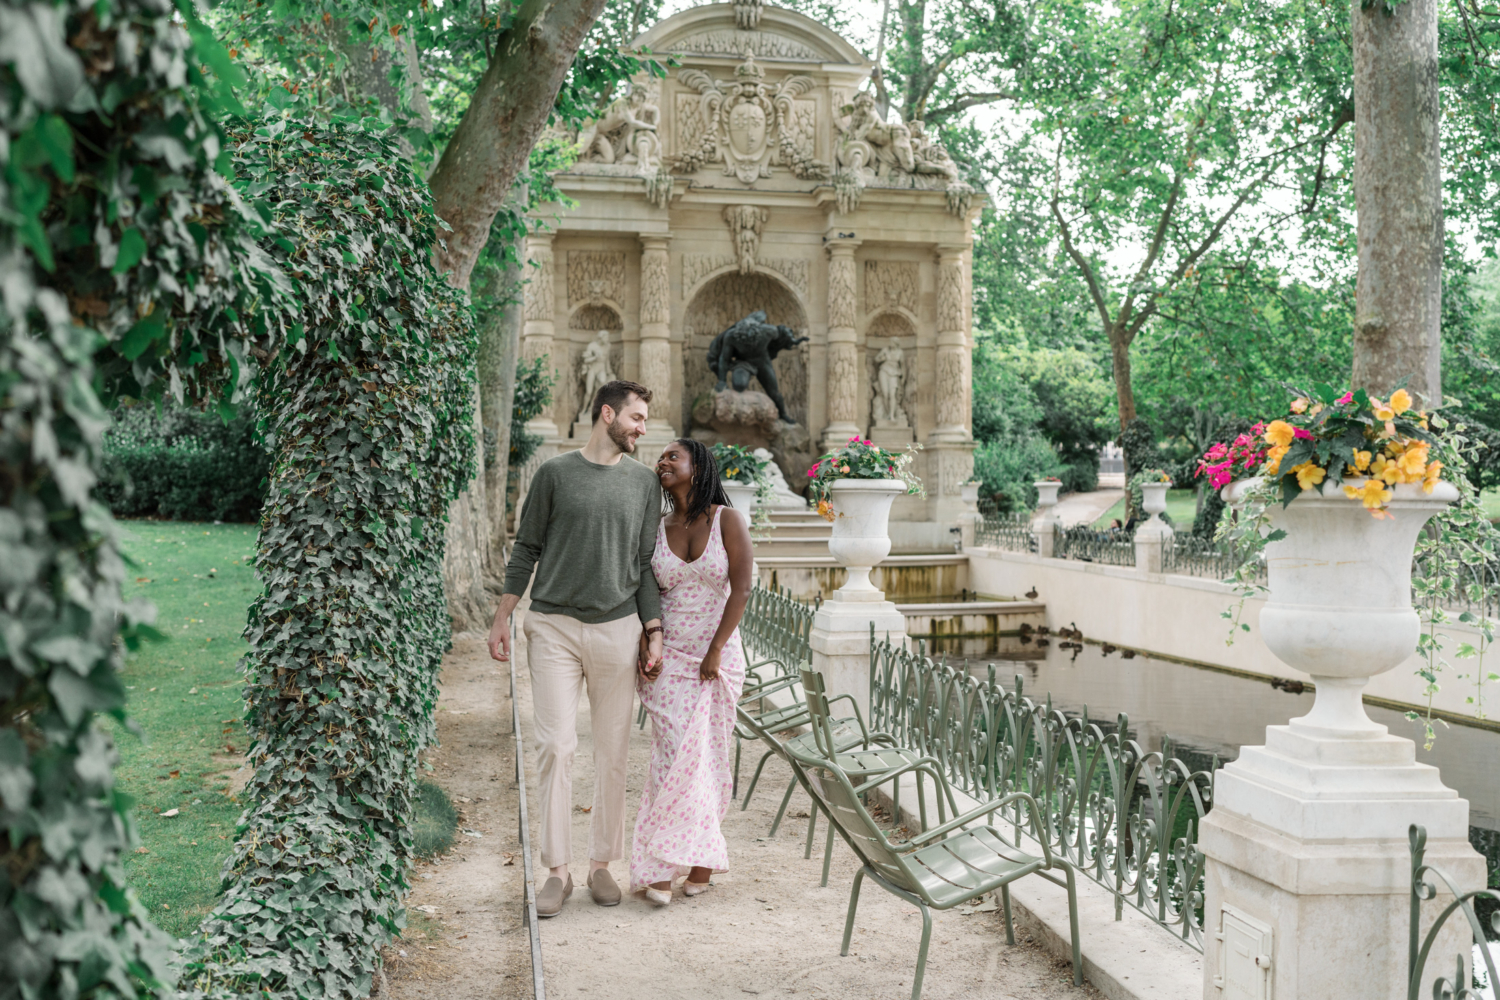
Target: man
{"points": [[589, 528]]}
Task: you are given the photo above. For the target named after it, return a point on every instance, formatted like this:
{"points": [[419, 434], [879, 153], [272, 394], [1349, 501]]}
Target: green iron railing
{"points": [[1425, 879], [1011, 532], [776, 626], [1189, 555], [1126, 818], [1113, 548]]}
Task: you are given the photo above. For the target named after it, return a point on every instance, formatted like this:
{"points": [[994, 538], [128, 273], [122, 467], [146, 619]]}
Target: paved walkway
{"points": [[1086, 508], [765, 929]]}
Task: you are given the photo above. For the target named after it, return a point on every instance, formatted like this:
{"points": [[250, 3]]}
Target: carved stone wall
{"points": [[594, 275], [656, 316], [536, 294], [764, 44], [595, 318], [697, 266], [656, 288], [841, 302], [952, 387], [950, 301], [890, 283]]}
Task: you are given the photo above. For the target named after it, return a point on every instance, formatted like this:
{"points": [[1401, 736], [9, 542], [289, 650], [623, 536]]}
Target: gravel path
{"points": [[765, 929]]}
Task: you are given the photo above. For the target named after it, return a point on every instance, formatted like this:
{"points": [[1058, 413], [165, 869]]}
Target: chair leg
{"points": [[812, 826], [734, 790], [755, 779], [776, 824], [922, 803], [1010, 928], [1073, 926], [859, 877], [827, 854], [640, 717], [916, 983]]}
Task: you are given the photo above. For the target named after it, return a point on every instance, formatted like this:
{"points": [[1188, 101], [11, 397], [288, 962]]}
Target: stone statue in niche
{"points": [[594, 367], [890, 378], [747, 348], [781, 493], [626, 131]]}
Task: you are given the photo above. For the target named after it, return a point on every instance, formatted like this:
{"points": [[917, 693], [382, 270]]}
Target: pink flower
{"points": [[865, 442], [1217, 451], [1258, 429], [1302, 432], [1347, 397]]}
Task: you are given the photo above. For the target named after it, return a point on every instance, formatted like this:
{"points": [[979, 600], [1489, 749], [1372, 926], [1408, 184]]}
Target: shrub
{"points": [[177, 463], [1008, 467]]}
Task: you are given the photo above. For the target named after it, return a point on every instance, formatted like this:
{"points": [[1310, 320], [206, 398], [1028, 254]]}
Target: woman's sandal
{"points": [[694, 888], [658, 897]]}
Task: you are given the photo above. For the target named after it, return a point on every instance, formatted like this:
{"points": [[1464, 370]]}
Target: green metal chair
{"points": [[939, 868]]}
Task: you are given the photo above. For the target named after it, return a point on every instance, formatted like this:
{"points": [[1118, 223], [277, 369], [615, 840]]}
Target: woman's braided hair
{"points": [[706, 489]]}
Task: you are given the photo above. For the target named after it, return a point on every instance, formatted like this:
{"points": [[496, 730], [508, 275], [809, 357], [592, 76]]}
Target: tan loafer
{"points": [[549, 901], [603, 888]]}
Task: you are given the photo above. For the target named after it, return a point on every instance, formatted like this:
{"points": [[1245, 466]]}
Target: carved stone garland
{"points": [[537, 308], [843, 355], [952, 344], [745, 222]]}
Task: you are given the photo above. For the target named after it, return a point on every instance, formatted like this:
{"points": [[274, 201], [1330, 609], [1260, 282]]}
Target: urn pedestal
{"points": [[840, 637], [1307, 880], [1154, 534], [1046, 522]]}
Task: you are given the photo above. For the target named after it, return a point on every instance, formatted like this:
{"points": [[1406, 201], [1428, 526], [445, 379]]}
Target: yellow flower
{"points": [[1400, 400], [732, 472], [825, 510], [1382, 411], [1361, 460], [1309, 475], [1432, 477], [1385, 469], [1299, 405], [1273, 460], [1372, 494], [1413, 463], [1280, 433]]}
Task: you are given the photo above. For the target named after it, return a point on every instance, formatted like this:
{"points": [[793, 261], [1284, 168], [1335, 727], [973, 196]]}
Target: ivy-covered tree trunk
{"points": [[499, 353], [1398, 191], [370, 422]]}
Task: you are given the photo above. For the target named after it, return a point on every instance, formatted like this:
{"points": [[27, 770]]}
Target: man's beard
{"points": [[621, 437]]}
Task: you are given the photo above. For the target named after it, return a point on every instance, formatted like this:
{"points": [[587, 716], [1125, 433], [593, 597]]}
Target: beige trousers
{"points": [[565, 656]]}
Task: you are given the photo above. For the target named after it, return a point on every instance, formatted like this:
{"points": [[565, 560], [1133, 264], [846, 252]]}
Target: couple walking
{"points": [[625, 599]]}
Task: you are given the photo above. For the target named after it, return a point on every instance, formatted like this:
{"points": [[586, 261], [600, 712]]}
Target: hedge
{"points": [[182, 464]]}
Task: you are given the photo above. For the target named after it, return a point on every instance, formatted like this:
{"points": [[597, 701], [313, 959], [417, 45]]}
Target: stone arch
{"points": [[595, 316], [719, 302]]}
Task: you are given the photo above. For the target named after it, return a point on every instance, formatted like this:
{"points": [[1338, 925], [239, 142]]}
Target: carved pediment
{"points": [[745, 122], [734, 42]]}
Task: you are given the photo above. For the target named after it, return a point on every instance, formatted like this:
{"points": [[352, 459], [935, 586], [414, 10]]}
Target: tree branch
{"points": [[966, 101], [1346, 115], [1089, 278], [509, 109]]}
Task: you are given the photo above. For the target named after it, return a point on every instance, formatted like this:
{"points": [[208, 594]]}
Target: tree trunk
{"points": [[1399, 197], [499, 352], [1119, 349], [370, 74], [508, 111], [466, 555]]}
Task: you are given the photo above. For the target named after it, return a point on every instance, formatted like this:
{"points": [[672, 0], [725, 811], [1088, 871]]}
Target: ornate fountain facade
{"points": [[758, 175]]}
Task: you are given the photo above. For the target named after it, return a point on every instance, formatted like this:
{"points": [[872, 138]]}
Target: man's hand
{"points": [[650, 665], [500, 630], [708, 670]]}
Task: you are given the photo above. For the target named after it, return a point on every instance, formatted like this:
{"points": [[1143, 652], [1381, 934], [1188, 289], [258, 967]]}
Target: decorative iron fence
{"points": [[776, 626], [1113, 548], [1126, 818], [1006, 531], [1425, 882], [1190, 555]]}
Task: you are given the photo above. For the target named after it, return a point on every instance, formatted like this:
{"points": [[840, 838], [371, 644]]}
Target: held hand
{"points": [[500, 631], [708, 670], [654, 657]]}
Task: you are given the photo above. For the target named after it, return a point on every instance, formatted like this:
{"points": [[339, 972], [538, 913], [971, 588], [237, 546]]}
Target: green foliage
{"points": [[1008, 419], [736, 462], [182, 464], [369, 424], [434, 821], [533, 395], [859, 459], [124, 268]]}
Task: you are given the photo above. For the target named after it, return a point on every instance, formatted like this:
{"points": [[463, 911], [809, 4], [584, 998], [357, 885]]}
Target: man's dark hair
{"points": [[706, 489], [614, 394]]}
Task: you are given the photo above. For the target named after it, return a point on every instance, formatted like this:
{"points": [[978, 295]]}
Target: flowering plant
{"points": [[860, 459], [1328, 438], [739, 464]]}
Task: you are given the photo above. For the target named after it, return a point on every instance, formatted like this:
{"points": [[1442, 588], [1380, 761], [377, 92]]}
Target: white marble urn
{"points": [[861, 531], [741, 496], [1154, 502], [1340, 595], [1046, 494]]}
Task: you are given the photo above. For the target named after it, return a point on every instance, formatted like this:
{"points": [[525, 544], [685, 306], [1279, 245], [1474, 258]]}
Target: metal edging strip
{"points": [[539, 988]]}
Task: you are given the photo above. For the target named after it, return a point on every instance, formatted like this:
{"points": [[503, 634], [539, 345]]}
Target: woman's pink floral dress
{"points": [[688, 784]]}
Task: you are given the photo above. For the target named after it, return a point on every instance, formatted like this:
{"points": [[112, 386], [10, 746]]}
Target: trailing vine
{"points": [[124, 270], [368, 417]]}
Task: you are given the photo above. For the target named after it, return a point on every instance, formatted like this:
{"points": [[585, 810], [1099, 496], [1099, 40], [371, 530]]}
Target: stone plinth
{"points": [[744, 418], [840, 642], [1308, 854]]}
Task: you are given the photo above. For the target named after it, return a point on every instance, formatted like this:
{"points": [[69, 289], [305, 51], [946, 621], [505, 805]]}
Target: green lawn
{"points": [[185, 694], [1182, 505], [1491, 501]]}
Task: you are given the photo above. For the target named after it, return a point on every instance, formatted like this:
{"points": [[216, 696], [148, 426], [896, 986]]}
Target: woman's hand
{"points": [[708, 670]]}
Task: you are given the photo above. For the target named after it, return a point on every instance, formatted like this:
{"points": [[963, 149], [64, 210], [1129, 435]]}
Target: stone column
{"points": [[538, 305], [843, 354], [950, 447], [656, 346]]}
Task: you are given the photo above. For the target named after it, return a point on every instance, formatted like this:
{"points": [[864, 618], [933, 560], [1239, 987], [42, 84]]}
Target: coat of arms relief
{"points": [[745, 125]]}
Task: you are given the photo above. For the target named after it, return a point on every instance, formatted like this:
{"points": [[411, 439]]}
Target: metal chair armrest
{"points": [[994, 805], [863, 729]]}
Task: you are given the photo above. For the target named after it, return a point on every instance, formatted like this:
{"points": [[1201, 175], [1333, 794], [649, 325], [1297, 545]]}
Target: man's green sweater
{"points": [[590, 531]]}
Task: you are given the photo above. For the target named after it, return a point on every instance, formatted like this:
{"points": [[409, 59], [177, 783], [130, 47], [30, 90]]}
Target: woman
{"points": [[702, 564]]}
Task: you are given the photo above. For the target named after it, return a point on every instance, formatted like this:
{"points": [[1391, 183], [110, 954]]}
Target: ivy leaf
{"points": [[140, 336], [57, 139], [132, 249]]}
